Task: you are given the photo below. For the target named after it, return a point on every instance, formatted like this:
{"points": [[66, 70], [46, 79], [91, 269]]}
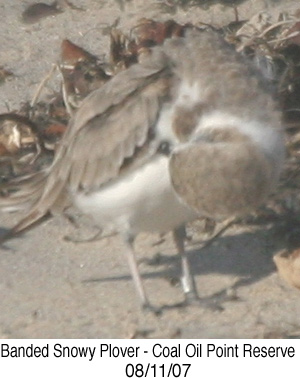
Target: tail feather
{"points": [[35, 194], [22, 193], [25, 224]]}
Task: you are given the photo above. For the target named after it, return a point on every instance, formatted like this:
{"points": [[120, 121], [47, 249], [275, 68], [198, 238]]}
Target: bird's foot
{"points": [[214, 302], [192, 299], [148, 307]]}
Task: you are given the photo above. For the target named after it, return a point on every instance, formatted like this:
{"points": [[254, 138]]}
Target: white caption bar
{"points": [[149, 358]]}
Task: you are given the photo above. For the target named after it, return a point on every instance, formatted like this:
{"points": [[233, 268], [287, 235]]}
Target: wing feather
{"points": [[112, 123]]}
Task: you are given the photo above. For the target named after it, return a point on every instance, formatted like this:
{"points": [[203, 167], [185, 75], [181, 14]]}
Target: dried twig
{"points": [[42, 85]]}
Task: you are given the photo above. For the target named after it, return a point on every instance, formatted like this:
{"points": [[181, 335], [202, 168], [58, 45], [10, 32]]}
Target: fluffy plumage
{"points": [[185, 133]]}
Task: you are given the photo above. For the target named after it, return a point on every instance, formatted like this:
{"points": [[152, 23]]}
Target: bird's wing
{"points": [[113, 125], [97, 149]]}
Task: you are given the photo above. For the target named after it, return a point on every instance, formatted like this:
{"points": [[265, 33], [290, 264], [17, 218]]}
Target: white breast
{"points": [[142, 201]]}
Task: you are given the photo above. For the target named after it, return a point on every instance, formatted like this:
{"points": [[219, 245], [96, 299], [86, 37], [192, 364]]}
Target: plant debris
{"points": [[272, 43], [82, 73]]}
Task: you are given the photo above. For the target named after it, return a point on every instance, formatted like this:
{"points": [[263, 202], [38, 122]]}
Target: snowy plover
{"points": [[188, 132]]}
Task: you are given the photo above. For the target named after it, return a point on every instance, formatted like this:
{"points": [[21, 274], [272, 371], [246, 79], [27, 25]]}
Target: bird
{"points": [[189, 131]]}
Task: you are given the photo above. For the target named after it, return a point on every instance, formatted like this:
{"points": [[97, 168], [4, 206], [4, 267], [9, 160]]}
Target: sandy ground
{"points": [[50, 288]]}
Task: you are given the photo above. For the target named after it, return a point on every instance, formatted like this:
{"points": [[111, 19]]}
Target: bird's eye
{"points": [[164, 148]]}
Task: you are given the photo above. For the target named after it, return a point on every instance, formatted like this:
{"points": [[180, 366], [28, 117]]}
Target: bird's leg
{"points": [[137, 279], [187, 279]]}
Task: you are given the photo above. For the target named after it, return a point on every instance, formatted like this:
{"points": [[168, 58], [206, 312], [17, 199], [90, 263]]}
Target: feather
{"points": [[112, 122]]}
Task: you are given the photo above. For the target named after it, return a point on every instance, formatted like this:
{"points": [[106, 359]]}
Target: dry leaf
{"points": [[122, 51], [294, 34], [149, 32], [71, 54], [126, 50], [52, 135], [82, 73]]}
